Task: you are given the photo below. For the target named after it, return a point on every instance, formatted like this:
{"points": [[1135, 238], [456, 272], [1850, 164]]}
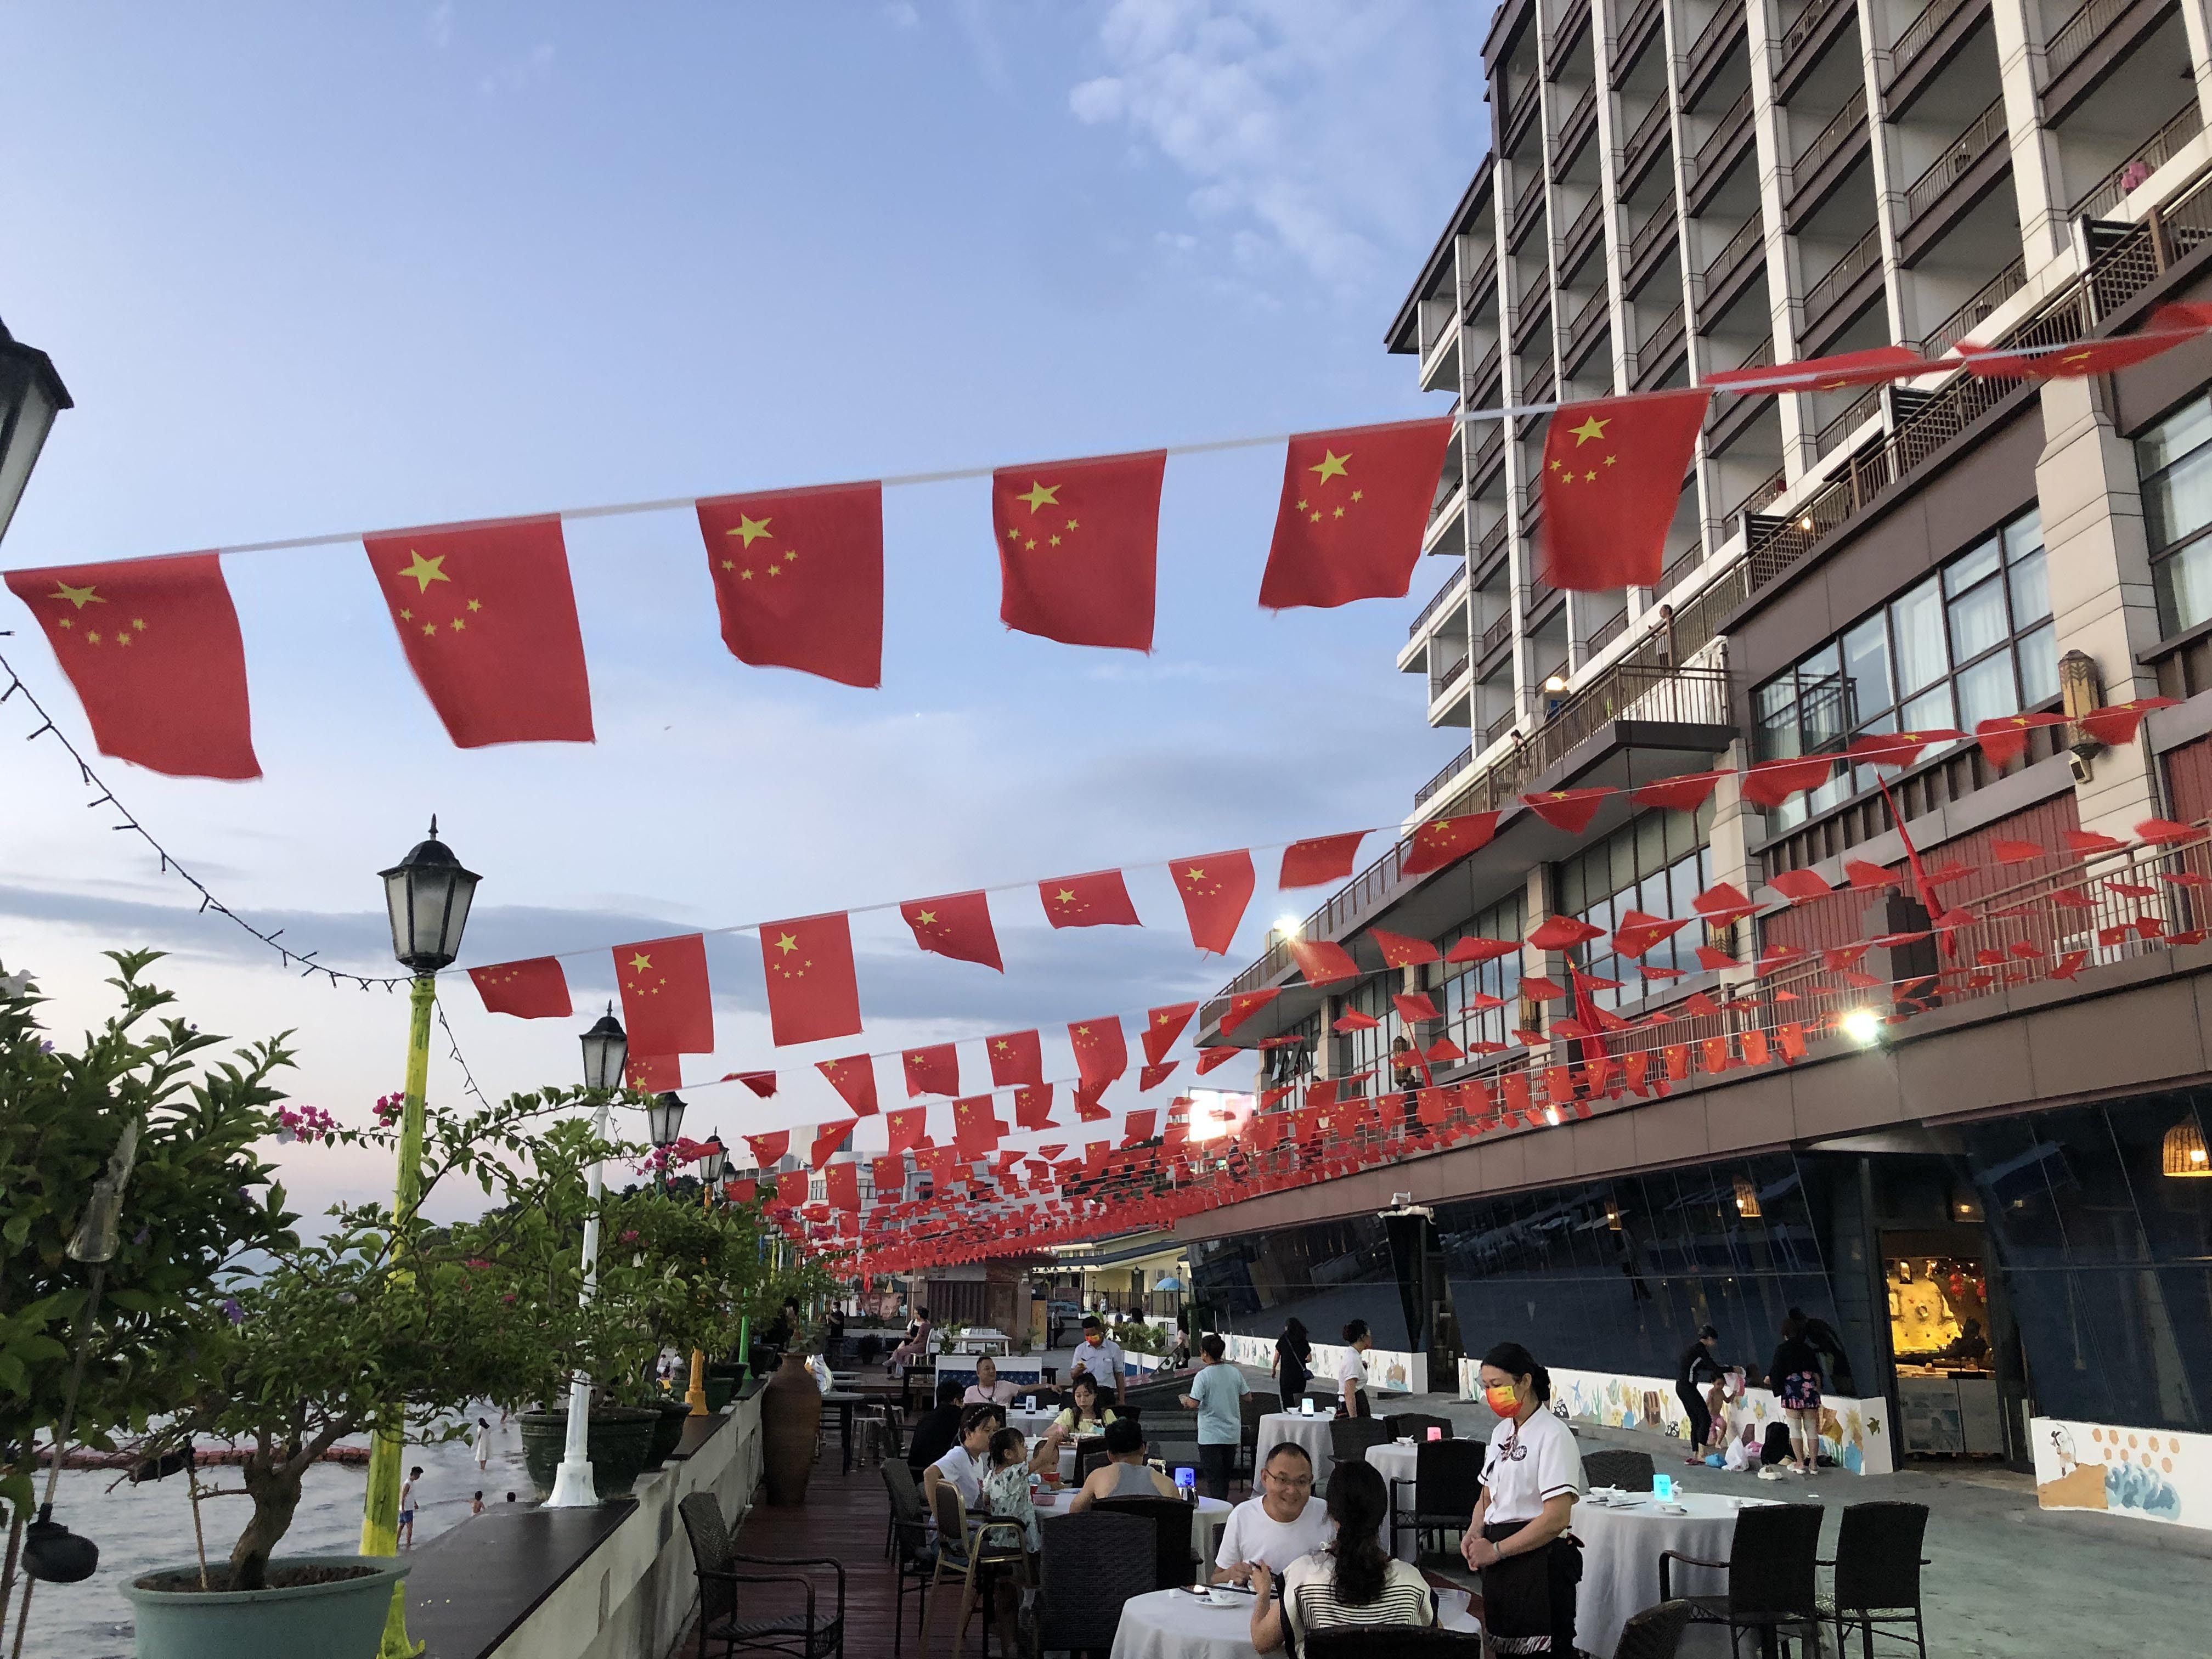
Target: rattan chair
{"points": [[1654, 1633], [967, 1551], [914, 1555], [1771, 1580], [1415, 1425], [1615, 1466], [1877, 1565], [723, 1624], [1447, 1481], [1171, 1521], [1088, 1565]]}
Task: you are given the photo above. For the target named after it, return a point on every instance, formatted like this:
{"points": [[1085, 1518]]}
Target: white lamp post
{"points": [[606, 1048], [30, 395]]}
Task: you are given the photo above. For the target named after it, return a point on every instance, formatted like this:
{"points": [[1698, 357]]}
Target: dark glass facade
{"points": [[1324, 1275]]}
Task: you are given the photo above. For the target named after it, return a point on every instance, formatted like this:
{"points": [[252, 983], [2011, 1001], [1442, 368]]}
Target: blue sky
{"points": [[310, 270]]}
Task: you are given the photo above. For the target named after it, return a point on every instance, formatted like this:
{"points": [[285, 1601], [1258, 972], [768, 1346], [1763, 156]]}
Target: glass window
{"points": [[1916, 624], [1969, 568], [1978, 620], [2031, 590], [1930, 711], [2177, 502], [1866, 668], [1632, 869], [2174, 458], [2039, 666], [2184, 584], [1986, 691]]}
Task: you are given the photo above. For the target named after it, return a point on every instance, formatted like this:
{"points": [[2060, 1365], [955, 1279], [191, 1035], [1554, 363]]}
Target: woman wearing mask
{"points": [[1517, 1536]]}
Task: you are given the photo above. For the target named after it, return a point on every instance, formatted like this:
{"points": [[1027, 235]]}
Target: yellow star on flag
{"points": [[1591, 428], [640, 963], [426, 571], [785, 943], [1331, 465], [1041, 494], [751, 528], [79, 597]]}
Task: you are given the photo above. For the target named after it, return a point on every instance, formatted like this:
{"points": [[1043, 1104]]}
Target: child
{"points": [[1006, 1488], [407, 1508], [475, 1504]]}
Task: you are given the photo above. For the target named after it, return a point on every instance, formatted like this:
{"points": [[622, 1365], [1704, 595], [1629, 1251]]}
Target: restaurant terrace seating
{"points": [[1654, 1633], [1770, 1580], [730, 1621], [1877, 1568], [1415, 1425], [1614, 1466], [1447, 1481], [1349, 1437], [969, 1551], [1089, 1566], [1391, 1641]]}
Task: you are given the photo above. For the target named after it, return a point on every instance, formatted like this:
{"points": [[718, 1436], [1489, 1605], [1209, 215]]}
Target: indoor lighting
{"points": [[1861, 1025], [2184, 1150], [1746, 1199]]}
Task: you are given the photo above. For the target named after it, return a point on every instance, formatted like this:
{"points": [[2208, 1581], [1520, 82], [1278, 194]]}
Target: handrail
{"points": [[1671, 323], [1861, 256], [1749, 235], [1861, 410], [1593, 306], [1723, 130], [1606, 632], [1638, 19], [1457, 764], [2075, 36], [1444, 682], [1652, 231], [1593, 215], [1496, 634], [1807, 24], [2153, 154], [1761, 496], [1490, 443], [1435, 599], [1978, 308], [1916, 36], [1830, 138], [1479, 290], [1646, 131], [1727, 18], [1983, 134], [1585, 106], [1531, 195]]}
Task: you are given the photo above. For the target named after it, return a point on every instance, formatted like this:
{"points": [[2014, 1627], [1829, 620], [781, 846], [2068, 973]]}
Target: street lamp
{"points": [[427, 894], [715, 1164], [664, 1119], [30, 395], [606, 1046]]}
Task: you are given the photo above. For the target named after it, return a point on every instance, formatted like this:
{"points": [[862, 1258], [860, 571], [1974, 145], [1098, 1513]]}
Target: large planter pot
{"points": [[720, 1390], [341, 1619], [617, 1441], [667, 1433], [791, 1418]]}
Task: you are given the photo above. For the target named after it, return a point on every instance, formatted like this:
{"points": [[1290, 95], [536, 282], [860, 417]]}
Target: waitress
{"points": [[1352, 1370], [1517, 1536]]}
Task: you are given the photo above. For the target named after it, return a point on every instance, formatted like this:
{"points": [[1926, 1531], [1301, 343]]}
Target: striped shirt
{"points": [[1310, 1598]]}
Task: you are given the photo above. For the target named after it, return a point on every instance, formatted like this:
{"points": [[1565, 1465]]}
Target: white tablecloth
{"points": [[1031, 1423], [1311, 1432], [1620, 1559], [1208, 1516], [1396, 1463], [1171, 1625]]}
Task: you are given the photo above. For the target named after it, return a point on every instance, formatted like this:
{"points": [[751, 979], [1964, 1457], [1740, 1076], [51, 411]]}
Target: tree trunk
{"points": [[273, 1486]]}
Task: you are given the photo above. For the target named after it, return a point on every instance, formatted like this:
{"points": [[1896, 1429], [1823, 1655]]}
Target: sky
{"points": [[322, 270]]}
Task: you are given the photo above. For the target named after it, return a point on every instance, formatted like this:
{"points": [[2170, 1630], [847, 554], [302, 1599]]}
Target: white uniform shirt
{"points": [[1251, 1534], [1103, 1362], [1352, 1368], [1527, 1464]]}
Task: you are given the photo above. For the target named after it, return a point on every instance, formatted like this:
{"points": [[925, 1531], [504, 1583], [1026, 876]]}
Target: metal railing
{"points": [[1450, 769], [1592, 311], [1530, 199], [1749, 235], [1487, 450], [1441, 683], [1499, 728], [1606, 632], [1724, 129], [1651, 232], [1436, 599], [1918, 35], [1761, 496], [1663, 333], [1493, 538], [1726, 20], [2078, 34], [1646, 133], [1584, 112], [1541, 383], [1830, 138], [1589, 220], [1985, 133], [2131, 174], [1864, 255], [1809, 22], [1574, 15], [1978, 309], [1477, 291], [1862, 409], [1496, 634], [1638, 19], [1537, 322]]}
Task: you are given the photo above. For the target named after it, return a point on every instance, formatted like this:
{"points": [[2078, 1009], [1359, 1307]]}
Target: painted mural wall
{"points": [[1389, 1371], [2147, 1474]]}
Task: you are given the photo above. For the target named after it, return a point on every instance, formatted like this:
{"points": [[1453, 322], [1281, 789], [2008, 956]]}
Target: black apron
{"points": [[1528, 1598]]}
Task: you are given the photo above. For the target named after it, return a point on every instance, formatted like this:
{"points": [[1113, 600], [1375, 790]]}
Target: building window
{"points": [[1656, 863], [1466, 1025], [1291, 1061], [2174, 460], [1973, 641]]}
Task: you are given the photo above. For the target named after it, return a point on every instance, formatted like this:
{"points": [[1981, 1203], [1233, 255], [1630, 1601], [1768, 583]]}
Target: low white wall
{"points": [[1388, 1370], [2147, 1474], [634, 1597]]}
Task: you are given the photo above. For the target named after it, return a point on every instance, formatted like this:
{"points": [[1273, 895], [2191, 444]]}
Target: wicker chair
{"points": [[1629, 1471], [906, 1502], [1349, 1437], [1088, 1566], [1447, 1481], [1254, 1406], [1171, 1521], [1654, 1633], [1770, 1580], [722, 1623], [1415, 1425], [967, 1551], [1877, 1565], [914, 1555]]}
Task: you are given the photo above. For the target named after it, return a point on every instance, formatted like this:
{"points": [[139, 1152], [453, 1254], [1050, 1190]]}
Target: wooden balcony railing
{"points": [[1985, 133]]}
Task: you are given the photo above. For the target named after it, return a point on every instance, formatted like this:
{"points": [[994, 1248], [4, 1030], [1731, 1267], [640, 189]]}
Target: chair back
{"points": [[1447, 1476], [1390, 1642], [1618, 1467], [1088, 1565], [1087, 1466], [1656, 1632], [1771, 1560], [1415, 1425], [906, 1506], [1349, 1437], [1878, 1555], [1088, 1446], [1170, 1521], [952, 1518], [710, 1553]]}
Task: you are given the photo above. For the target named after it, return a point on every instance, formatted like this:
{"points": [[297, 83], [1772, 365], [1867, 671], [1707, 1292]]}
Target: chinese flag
{"points": [[153, 649], [1321, 962], [854, 1078], [909, 1127], [1867, 367], [488, 621], [889, 1172], [1446, 840], [1152, 1076], [828, 1138], [1102, 1053], [975, 1130], [2074, 360], [1162, 1026], [1686, 793], [1772, 782], [1016, 1059], [1137, 1126], [651, 1074], [932, 1071], [760, 1082], [1322, 859], [1613, 474], [768, 1148], [1413, 1007], [1244, 1005], [1215, 888], [1897, 748], [1562, 933], [958, 926], [666, 1003], [798, 578], [1087, 1102], [1033, 1106], [1570, 810], [791, 1188], [1097, 900], [1639, 931], [840, 1185], [1079, 548], [1355, 505], [2004, 740], [1401, 952], [811, 993], [536, 989], [2115, 726]]}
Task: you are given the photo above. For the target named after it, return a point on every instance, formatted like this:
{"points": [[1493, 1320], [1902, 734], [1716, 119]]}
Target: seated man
{"points": [[1125, 1473], [1284, 1522], [937, 1430]]}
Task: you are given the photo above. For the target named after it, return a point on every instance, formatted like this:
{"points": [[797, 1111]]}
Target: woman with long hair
{"points": [[1293, 1365], [1793, 1374], [1518, 1537], [1351, 1581]]}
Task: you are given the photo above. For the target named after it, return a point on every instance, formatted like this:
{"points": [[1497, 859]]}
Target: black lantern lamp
{"points": [[30, 395], [664, 1119], [606, 1049], [714, 1162], [427, 894]]}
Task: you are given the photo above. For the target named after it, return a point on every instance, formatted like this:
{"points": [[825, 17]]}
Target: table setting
{"points": [[1623, 1534], [1215, 1622], [1310, 1432]]}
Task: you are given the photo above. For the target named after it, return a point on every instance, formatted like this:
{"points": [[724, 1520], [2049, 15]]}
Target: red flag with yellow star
{"points": [[934, 1070], [1102, 1053], [976, 1129], [854, 1078], [1099, 900], [1441, 841], [1033, 1106], [908, 1126], [957, 925], [652, 1074], [811, 992], [1215, 888], [1079, 548], [1016, 1058], [798, 578], [536, 989], [768, 1148], [153, 649], [1322, 859], [1613, 474], [1355, 506], [667, 1005], [890, 1173], [489, 621], [1242, 1007], [1162, 1026], [828, 1138]]}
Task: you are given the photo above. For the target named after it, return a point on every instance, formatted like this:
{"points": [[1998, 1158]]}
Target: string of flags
{"points": [[485, 612]]}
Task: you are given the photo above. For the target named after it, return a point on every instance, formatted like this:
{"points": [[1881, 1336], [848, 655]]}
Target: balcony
{"points": [[1574, 133], [1804, 39], [1542, 383], [1822, 165], [1843, 280], [1717, 152], [1455, 587], [2083, 49], [1521, 112], [1725, 275], [1489, 453], [1486, 371], [1656, 352], [1588, 327], [1862, 409], [1581, 235], [1446, 531], [1971, 166], [1711, 48], [1934, 24], [1480, 291], [1726, 421], [1450, 769], [1976, 310], [1535, 326], [1643, 147], [2161, 146], [1606, 633], [1527, 208], [1643, 23], [1492, 542], [1653, 241], [1568, 30], [1499, 633], [1442, 686]]}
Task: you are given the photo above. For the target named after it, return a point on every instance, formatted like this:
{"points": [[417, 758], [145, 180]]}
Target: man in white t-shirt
{"points": [[1099, 1357], [1352, 1370], [1273, 1529]]}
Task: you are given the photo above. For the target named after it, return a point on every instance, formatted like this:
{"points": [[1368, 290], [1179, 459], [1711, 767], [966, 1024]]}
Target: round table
{"points": [[1621, 1546], [1396, 1463], [1208, 1516], [1173, 1625], [1031, 1423], [1311, 1432]]}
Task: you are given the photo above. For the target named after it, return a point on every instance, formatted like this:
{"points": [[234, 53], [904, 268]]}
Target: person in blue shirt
{"points": [[1217, 1395]]}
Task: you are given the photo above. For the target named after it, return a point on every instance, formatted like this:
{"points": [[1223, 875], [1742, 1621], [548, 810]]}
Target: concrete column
{"points": [[1608, 142], [2100, 585], [1735, 823], [1785, 285], [2197, 24], [1888, 182], [2038, 188]]}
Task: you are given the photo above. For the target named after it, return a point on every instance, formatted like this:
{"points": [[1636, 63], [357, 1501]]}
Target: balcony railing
{"points": [[1606, 632], [1977, 310], [1450, 769], [1985, 132], [1580, 121], [1747, 236], [1572, 16], [1494, 538], [1479, 291], [1864, 255], [1588, 221], [1529, 202], [1487, 449], [1440, 684], [1537, 324], [1862, 409], [1761, 496], [1808, 23], [1542, 384], [2078, 34], [1646, 134], [1830, 138], [1633, 30], [1724, 130], [1920, 34], [1451, 586], [1651, 232], [1588, 318], [1663, 333], [1496, 634], [2131, 174]]}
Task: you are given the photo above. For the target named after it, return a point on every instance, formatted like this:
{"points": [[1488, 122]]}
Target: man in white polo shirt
{"points": [[1099, 1355], [1273, 1529]]}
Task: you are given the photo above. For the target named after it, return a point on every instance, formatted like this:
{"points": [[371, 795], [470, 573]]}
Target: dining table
{"points": [[1396, 1461], [1174, 1623], [1208, 1516], [1624, 1534], [1310, 1432]]}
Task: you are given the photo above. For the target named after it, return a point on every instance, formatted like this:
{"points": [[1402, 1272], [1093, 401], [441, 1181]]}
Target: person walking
{"points": [[1351, 1370], [407, 1508], [1217, 1395], [1293, 1366], [1793, 1374], [1696, 1371], [483, 1444], [1517, 1536], [1099, 1357]]}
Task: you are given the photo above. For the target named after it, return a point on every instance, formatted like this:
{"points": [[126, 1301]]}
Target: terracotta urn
{"points": [[791, 1418]]}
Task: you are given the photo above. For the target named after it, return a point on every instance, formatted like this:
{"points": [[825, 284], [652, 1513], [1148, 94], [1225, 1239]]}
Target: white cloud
{"points": [[530, 67], [1312, 130]]}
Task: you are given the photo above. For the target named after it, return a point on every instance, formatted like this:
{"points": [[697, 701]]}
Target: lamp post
{"points": [[30, 395], [664, 1123], [606, 1046], [426, 895]]}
